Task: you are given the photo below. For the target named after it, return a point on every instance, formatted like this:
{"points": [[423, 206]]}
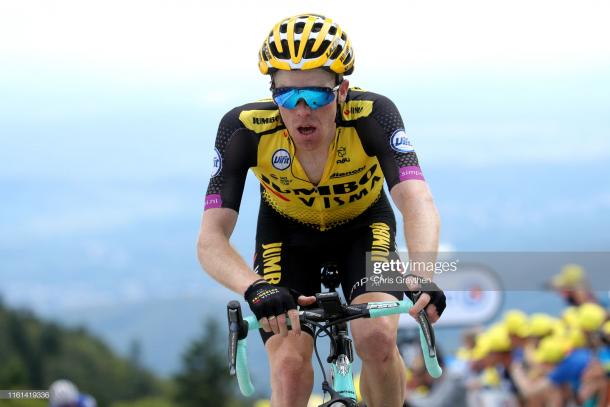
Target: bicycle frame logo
{"points": [[343, 365], [384, 305]]}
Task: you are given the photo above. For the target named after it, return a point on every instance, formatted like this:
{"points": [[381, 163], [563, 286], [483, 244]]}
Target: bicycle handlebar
{"points": [[239, 327]]}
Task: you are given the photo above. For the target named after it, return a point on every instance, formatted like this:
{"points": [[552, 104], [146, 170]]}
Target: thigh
{"points": [[377, 236], [282, 256]]}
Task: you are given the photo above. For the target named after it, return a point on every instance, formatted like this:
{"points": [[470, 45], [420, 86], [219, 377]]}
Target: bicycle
{"points": [[331, 317]]}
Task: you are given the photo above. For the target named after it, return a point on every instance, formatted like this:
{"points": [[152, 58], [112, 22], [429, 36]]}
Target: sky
{"points": [[461, 71], [189, 39]]}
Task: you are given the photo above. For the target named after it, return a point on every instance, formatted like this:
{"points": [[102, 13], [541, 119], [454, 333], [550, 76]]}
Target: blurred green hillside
{"points": [[34, 353]]}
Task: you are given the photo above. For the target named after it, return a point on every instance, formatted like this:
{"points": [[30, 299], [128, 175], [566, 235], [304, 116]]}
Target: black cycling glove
{"points": [[267, 300], [422, 285]]}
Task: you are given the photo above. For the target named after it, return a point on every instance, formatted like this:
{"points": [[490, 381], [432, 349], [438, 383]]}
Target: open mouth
{"points": [[306, 130]]}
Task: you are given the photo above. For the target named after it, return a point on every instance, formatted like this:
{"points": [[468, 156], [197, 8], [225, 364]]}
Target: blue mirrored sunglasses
{"points": [[315, 97]]}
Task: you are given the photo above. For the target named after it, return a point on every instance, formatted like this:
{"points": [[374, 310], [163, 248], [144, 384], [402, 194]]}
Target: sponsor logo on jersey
{"points": [[342, 152], [284, 180], [400, 142], [265, 120], [355, 109], [411, 172], [272, 258], [347, 173], [280, 159], [380, 247], [213, 201], [333, 195], [216, 163], [260, 120]]}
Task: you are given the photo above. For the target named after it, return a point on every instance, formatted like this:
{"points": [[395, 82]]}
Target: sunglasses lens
{"points": [[314, 97]]}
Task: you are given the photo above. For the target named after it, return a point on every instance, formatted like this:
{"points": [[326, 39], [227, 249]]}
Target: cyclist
{"points": [[321, 151]]}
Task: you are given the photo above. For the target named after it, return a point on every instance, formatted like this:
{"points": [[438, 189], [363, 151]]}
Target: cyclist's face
{"points": [[310, 129]]}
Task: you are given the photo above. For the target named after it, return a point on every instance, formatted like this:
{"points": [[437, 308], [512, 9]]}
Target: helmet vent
{"points": [[337, 52], [285, 52], [298, 27], [309, 54], [348, 58]]}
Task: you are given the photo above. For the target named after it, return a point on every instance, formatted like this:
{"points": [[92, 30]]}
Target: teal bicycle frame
{"points": [[342, 391]]}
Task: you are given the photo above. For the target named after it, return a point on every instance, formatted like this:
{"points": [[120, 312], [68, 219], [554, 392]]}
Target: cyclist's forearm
{"points": [[421, 228], [222, 262]]}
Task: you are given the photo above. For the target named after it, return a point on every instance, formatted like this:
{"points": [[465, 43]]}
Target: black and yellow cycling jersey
{"points": [[370, 145]]}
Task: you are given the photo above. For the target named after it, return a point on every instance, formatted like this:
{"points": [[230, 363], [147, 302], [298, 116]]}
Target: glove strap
{"points": [[254, 284]]}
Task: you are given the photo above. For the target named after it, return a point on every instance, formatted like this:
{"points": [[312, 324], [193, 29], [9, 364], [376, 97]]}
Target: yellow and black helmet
{"points": [[306, 41]]}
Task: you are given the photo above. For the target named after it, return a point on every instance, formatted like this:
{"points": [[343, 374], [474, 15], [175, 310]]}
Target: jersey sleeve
{"points": [[234, 153], [383, 134]]}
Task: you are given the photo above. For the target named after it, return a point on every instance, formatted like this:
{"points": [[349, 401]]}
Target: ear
{"points": [[343, 88]]}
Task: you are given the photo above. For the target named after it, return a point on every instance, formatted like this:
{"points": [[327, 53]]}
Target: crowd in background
{"points": [[531, 360]]}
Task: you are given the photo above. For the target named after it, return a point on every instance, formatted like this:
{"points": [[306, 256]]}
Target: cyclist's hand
{"points": [[303, 301], [424, 302], [278, 324], [270, 303], [429, 296]]}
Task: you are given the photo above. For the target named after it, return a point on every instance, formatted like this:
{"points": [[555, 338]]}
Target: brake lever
{"points": [[424, 323], [235, 321]]}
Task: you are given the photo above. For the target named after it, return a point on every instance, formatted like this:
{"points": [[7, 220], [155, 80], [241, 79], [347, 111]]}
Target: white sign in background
{"points": [[474, 299]]}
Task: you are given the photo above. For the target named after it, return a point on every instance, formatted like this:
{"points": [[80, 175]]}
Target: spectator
{"points": [[571, 283], [64, 393]]}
